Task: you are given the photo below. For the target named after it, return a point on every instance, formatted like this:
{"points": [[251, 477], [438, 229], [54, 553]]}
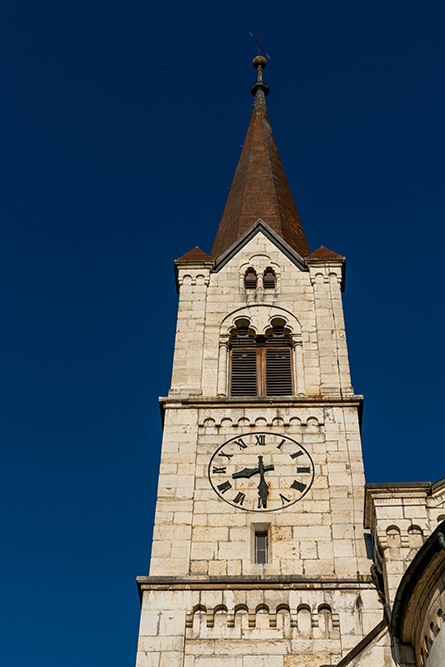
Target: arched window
{"points": [[243, 362], [278, 371], [269, 279], [250, 279], [260, 365]]}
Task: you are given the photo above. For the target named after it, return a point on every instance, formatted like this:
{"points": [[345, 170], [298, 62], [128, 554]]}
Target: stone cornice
{"points": [[193, 265], [339, 262], [389, 493], [224, 402], [439, 485], [243, 582], [354, 400]]}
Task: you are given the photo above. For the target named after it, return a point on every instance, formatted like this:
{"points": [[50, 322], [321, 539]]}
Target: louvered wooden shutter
{"points": [[278, 372], [269, 280], [250, 279], [244, 372]]}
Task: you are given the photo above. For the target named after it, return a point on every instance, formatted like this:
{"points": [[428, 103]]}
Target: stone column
{"points": [[297, 345], [223, 365]]}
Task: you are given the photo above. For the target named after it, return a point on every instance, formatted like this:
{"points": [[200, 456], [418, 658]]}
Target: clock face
{"points": [[261, 472]]}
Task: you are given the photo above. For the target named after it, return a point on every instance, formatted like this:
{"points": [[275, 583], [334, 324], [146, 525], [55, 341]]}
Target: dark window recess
{"points": [[278, 337], [244, 372], [269, 279], [261, 548], [278, 372], [250, 279]]}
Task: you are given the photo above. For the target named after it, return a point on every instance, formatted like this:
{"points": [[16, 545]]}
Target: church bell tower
{"points": [[259, 556]]}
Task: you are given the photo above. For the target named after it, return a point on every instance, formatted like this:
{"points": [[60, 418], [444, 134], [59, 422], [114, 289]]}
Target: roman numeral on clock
{"points": [[225, 486], [218, 470], [281, 444], [284, 500], [241, 443], [303, 470], [296, 454], [260, 439], [239, 498], [228, 456], [298, 485]]}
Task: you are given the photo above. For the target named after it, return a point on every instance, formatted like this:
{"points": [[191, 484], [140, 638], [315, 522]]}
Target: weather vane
{"points": [[260, 48]]}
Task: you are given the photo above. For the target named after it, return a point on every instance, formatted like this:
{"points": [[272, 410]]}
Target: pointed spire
{"points": [[260, 189]]}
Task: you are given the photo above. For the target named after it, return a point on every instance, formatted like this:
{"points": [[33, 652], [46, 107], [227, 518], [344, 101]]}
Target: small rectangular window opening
{"points": [[261, 548]]}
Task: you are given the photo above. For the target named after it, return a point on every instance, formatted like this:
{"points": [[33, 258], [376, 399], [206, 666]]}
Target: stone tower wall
{"points": [[207, 601]]}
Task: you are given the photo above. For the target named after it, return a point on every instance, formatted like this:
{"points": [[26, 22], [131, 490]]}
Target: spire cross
{"points": [[260, 48]]}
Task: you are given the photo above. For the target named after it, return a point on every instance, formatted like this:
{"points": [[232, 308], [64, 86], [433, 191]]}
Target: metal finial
{"points": [[259, 63]]}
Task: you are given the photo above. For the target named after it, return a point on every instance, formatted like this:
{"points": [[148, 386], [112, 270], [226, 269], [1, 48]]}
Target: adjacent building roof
{"points": [[260, 188]]}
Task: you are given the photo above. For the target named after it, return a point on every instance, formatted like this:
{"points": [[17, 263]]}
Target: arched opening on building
{"points": [[250, 279], [260, 365], [269, 279]]}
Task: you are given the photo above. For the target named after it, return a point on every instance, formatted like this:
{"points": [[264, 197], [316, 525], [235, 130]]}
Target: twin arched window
{"points": [[251, 279], [260, 365]]}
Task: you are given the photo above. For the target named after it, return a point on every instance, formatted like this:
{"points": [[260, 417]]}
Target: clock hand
{"points": [[263, 492], [263, 488], [262, 468], [246, 472], [249, 472]]}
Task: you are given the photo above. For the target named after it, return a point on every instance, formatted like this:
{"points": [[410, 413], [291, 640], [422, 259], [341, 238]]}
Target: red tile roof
{"points": [[324, 253], [194, 255], [260, 189]]}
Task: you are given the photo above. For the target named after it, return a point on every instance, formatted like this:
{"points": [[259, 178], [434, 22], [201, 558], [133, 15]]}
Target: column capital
{"points": [[296, 339], [224, 340]]}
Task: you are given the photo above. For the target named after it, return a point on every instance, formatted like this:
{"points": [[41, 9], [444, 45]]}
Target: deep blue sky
{"points": [[121, 128]]}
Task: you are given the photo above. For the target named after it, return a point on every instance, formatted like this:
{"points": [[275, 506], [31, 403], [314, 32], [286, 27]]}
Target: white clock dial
{"points": [[261, 472]]}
